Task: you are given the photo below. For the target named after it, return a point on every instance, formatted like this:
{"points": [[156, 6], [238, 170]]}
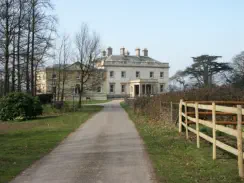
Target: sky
{"points": [[173, 31]]}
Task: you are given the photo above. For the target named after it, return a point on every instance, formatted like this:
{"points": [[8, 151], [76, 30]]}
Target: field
{"points": [[22, 143], [177, 160]]}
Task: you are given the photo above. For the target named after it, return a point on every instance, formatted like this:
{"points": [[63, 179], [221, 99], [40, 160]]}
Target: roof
{"points": [[130, 58]]}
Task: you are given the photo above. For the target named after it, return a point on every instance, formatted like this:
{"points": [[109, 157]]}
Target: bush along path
{"points": [[21, 143], [179, 161], [19, 106]]}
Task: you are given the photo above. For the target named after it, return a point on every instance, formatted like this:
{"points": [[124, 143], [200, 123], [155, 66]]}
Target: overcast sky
{"points": [[172, 30]]}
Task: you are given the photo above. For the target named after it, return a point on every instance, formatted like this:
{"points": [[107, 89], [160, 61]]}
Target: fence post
{"points": [[186, 121], [197, 124], [180, 116], [214, 129], [171, 111], [239, 140]]}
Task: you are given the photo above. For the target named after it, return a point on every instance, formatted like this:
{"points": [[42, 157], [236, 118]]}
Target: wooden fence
{"points": [[189, 112]]}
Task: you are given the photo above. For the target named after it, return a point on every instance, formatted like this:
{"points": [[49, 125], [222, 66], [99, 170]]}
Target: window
{"points": [[122, 88], [54, 76], [161, 87], [111, 74], [161, 74], [151, 74], [77, 89], [99, 89], [78, 76], [137, 74], [123, 74], [54, 89], [111, 88]]}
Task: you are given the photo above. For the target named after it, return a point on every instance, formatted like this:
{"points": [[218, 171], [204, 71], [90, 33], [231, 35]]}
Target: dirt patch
{"points": [[8, 127]]}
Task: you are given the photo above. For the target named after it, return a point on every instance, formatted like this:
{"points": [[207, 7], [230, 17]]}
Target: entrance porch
{"points": [[143, 87]]}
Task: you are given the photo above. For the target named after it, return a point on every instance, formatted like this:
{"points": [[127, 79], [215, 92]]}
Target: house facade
{"points": [[133, 75], [124, 75]]}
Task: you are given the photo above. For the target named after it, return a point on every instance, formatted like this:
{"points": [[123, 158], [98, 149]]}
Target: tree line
{"points": [[27, 30], [207, 72]]}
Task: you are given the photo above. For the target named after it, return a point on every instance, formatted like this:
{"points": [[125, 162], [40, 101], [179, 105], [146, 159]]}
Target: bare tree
{"points": [[236, 77], [88, 48], [66, 57], [178, 81], [42, 27], [26, 35], [7, 28]]}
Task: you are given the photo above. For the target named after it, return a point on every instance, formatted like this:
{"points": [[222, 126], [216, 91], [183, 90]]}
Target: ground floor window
{"points": [[111, 88], [99, 89], [76, 89], [123, 88], [161, 87], [54, 89]]}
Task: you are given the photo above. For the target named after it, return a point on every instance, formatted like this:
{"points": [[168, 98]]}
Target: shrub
{"points": [[19, 106], [156, 108], [58, 104], [45, 98]]}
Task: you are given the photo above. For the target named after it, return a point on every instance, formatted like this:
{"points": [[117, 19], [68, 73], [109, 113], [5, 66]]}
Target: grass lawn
{"points": [[21, 143], [177, 160]]}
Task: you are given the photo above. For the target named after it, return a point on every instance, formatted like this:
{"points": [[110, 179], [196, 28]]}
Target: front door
{"points": [[149, 89]]}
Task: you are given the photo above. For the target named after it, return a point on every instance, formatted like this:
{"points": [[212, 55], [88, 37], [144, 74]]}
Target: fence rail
{"points": [[187, 118]]}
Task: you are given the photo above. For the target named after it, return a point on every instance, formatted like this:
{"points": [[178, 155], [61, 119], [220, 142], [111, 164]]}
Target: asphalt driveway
{"points": [[106, 149]]}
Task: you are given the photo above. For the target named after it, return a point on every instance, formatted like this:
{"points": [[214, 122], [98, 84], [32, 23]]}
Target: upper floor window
{"points": [[151, 74], [123, 74], [111, 74], [161, 87], [137, 74], [161, 74]]}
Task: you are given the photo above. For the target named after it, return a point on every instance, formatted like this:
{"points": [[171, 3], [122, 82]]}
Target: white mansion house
{"points": [[123, 75], [133, 75]]}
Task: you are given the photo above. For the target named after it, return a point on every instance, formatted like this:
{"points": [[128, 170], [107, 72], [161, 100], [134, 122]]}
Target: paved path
{"points": [[106, 149]]}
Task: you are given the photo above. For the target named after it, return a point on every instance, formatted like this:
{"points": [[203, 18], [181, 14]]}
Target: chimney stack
{"points": [[104, 53], [138, 52], [127, 53], [110, 51], [145, 51], [122, 51]]}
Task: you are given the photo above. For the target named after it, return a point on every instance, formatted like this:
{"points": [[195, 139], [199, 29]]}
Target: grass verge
{"points": [[177, 160], [21, 143]]}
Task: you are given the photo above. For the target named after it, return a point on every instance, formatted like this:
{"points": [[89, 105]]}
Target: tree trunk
{"points": [[13, 67], [6, 51], [28, 58], [63, 83], [18, 46], [205, 76], [33, 48]]}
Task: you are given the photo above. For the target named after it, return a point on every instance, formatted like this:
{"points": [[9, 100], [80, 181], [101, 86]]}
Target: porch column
{"points": [[140, 89]]}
